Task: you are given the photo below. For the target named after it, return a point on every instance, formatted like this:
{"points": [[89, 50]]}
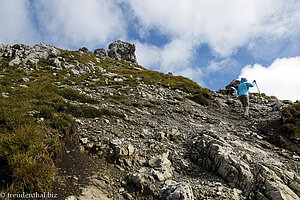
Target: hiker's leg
{"points": [[246, 110], [246, 101], [242, 100]]}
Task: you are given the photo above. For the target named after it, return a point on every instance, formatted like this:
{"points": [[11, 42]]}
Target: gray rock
{"points": [[15, 61], [278, 191], [120, 50], [6, 50], [26, 53], [51, 51], [5, 94], [178, 191], [24, 79], [160, 162], [138, 179], [100, 52], [75, 72], [295, 186], [71, 198], [233, 84], [84, 50], [84, 140], [57, 64], [287, 102]]}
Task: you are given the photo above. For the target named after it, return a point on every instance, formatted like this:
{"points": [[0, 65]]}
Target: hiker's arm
{"points": [[251, 84]]}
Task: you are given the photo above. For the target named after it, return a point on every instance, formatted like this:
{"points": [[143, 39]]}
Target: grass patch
{"points": [[28, 144], [262, 95], [28, 152], [179, 98], [75, 95], [199, 94], [63, 123], [203, 98], [137, 104], [291, 114]]}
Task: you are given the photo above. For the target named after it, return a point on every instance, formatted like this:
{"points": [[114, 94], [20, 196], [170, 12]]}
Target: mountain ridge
{"points": [[150, 135]]}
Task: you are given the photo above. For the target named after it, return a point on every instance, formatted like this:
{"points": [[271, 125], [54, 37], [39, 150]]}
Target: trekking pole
{"points": [[257, 88]]}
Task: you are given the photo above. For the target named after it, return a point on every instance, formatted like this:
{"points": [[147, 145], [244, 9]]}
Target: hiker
{"points": [[243, 93]]}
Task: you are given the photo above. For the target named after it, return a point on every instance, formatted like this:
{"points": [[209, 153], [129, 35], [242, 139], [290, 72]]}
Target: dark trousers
{"points": [[245, 101]]}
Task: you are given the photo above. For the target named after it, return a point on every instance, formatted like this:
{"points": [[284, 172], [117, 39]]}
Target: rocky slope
{"points": [[154, 141]]}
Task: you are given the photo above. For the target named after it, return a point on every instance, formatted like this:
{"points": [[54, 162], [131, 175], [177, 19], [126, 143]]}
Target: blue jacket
{"points": [[243, 88]]}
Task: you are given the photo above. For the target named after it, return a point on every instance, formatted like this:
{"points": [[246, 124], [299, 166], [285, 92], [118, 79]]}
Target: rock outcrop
{"points": [[25, 53], [118, 50]]}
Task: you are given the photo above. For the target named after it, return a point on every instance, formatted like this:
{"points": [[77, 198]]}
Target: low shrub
{"points": [[262, 95], [291, 116], [64, 123], [29, 163], [201, 98], [75, 95]]}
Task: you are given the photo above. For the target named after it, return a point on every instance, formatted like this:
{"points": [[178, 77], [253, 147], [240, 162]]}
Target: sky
{"points": [[211, 42]]}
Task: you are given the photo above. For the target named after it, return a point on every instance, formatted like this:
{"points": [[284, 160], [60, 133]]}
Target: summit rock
{"points": [[119, 50]]}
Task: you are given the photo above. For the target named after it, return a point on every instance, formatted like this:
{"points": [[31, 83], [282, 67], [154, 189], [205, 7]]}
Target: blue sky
{"points": [[211, 42]]}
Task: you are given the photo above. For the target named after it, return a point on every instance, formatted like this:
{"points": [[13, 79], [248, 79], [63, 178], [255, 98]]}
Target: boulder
{"points": [[120, 50], [6, 50], [83, 50], [15, 61], [233, 84], [178, 191], [100, 52], [56, 64]]}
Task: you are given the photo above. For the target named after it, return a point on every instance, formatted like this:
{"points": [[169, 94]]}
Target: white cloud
{"points": [[64, 23], [226, 65], [224, 25], [195, 74], [280, 79], [16, 26], [72, 23], [174, 57], [147, 54]]}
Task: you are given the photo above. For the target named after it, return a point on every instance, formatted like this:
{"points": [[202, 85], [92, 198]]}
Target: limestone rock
{"points": [[279, 191], [15, 61], [83, 50], [120, 50], [100, 52], [178, 191], [57, 64], [233, 84]]}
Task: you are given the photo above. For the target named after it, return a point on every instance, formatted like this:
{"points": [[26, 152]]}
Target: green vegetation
{"points": [[31, 121], [292, 119], [262, 95], [26, 146], [28, 152], [203, 98], [198, 94], [75, 95]]}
